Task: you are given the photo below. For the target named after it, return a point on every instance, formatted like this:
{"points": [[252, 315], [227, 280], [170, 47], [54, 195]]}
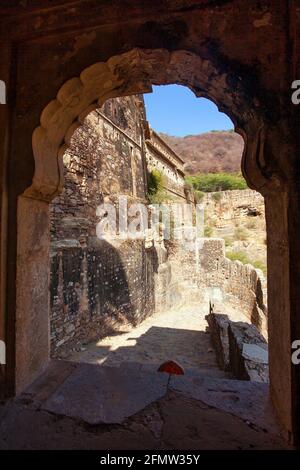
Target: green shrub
{"points": [[155, 181], [228, 241], [217, 196], [260, 265], [214, 182], [243, 258], [156, 192], [160, 197], [208, 231], [238, 256], [199, 195]]}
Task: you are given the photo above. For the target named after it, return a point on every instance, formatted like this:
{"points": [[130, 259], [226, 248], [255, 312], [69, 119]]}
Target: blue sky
{"points": [[175, 110]]}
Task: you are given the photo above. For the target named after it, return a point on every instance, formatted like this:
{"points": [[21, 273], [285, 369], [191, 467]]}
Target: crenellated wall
{"points": [[205, 274]]}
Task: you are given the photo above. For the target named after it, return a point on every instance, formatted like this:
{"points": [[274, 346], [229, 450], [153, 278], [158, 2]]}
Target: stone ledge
{"points": [[248, 352], [218, 325], [240, 348]]}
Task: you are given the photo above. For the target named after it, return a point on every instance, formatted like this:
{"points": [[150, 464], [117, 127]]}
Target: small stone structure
{"points": [[248, 352], [218, 328]]}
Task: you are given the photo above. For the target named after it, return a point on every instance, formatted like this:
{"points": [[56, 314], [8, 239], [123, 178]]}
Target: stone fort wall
{"points": [[161, 157], [206, 275], [228, 206], [101, 286], [98, 285]]}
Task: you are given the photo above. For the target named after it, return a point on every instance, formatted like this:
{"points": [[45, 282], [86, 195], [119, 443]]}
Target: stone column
{"points": [[6, 386], [279, 308], [293, 284], [32, 291], [270, 166]]}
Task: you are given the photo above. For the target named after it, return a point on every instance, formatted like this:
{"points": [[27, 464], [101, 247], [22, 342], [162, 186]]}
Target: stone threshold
{"points": [[98, 394]]}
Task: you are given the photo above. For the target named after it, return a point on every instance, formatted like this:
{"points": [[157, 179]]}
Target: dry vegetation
{"points": [[214, 152]]}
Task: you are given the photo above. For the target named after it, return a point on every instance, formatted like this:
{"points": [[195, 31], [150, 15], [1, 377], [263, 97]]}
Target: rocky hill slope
{"points": [[217, 151]]}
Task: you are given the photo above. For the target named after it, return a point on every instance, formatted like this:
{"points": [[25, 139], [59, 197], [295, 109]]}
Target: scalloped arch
{"points": [[129, 73]]}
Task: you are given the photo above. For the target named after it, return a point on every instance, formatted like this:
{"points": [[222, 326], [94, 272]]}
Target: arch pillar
{"points": [[32, 324], [269, 167]]}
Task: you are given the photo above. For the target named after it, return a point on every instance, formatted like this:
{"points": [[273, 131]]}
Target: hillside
{"points": [[218, 151]]}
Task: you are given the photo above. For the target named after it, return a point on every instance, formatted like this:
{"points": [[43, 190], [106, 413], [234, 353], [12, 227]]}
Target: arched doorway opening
{"points": [[130, 73]]}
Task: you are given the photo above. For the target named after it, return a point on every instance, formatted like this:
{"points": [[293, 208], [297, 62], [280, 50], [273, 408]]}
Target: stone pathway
{"points": [[180, 335]]}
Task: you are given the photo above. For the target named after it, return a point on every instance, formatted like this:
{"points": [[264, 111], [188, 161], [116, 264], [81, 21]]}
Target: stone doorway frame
{"points": [[132, 73]]}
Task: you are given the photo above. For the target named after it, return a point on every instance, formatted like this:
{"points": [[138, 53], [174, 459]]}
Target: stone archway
{"points": [[130, 73]]}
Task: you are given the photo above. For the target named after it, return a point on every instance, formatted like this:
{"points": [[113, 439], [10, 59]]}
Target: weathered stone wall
{"points": [[205, 274], [105, 158], [231, 282], [96, 289], [241, 349], [161, 157], [97, 285], [233, 54], [229, 206]]}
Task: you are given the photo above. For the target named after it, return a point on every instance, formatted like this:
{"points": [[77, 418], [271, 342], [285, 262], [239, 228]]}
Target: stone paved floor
{"points": [[176, 421], [180, 335], [112, 397]]}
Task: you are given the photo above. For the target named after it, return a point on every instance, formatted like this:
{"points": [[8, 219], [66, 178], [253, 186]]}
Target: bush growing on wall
{"points": [[155, 181], [243, 258], [213, 182], [238, 256], [217, 197], [156, 192], [199, 195]]}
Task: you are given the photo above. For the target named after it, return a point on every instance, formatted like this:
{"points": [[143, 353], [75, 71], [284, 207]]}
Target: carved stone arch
{"points": [[255, 166], [132, 73]]}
